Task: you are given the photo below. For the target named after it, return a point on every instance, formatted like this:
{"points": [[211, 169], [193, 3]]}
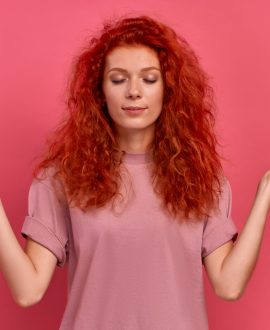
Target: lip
{"points": [[133, 108], [133, 111]]}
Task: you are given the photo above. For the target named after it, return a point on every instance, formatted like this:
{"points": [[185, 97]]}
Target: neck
{"points": [[136, 141]]}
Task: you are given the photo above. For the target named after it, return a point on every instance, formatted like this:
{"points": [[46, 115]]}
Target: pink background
{"points": [[38, 42]]}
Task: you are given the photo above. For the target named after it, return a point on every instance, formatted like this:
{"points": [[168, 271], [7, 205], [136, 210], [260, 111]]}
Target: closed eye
{"points": [[118, 81], [148, 81]]}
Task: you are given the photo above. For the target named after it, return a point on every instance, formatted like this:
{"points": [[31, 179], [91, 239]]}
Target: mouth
{"points": [[133, 108]]}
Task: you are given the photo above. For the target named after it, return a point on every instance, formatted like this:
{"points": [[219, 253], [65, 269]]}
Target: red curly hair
{"points": [[187, 172]]}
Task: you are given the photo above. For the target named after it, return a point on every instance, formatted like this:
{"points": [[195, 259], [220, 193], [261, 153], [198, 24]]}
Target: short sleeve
{"points": [[219, 227], [47, 219]]}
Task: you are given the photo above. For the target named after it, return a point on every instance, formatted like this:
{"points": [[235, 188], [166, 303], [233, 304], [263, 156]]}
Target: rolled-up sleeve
{"points": [[47, 219], [220, 227]]}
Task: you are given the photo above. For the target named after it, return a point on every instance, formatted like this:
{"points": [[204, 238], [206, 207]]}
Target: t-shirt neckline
{"points": [[137, 158]]}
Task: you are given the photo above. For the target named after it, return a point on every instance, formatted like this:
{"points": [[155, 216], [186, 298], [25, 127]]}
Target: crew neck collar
{"points": [[137, 158]]}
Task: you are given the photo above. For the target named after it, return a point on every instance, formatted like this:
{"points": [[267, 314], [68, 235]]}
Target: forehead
{"points": [[132, 56]]}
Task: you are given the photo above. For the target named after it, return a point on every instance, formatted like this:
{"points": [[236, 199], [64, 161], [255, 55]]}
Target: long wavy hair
{"points": [[187, 172]]}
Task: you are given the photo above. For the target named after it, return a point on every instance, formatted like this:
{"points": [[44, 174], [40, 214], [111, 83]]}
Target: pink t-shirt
{"points": [[132, 268]]}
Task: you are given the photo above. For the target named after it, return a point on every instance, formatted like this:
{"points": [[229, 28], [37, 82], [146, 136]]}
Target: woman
{"points": [[131, 192]]}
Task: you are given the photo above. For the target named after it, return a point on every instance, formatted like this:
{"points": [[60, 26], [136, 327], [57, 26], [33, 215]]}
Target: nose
{"points": [[133, 89]]}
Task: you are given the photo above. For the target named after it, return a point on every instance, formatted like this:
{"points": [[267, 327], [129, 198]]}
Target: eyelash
{"points": [[120, 81]]}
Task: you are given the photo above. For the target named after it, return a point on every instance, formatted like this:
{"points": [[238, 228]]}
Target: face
{"points": [[132, 78]]}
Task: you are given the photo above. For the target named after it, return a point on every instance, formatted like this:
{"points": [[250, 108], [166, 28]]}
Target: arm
{"points": [[28, 272], [230, 267]]}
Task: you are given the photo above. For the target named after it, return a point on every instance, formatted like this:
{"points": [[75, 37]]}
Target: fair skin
{"points": [[132, 77], [229, 267]]}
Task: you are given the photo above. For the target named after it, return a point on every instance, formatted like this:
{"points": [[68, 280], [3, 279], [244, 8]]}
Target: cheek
{"points": [[113, 97], [113, 104], [157, 97]]}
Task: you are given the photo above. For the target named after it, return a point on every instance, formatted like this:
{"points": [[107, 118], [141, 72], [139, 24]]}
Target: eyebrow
{"points": [[144, 69]]}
